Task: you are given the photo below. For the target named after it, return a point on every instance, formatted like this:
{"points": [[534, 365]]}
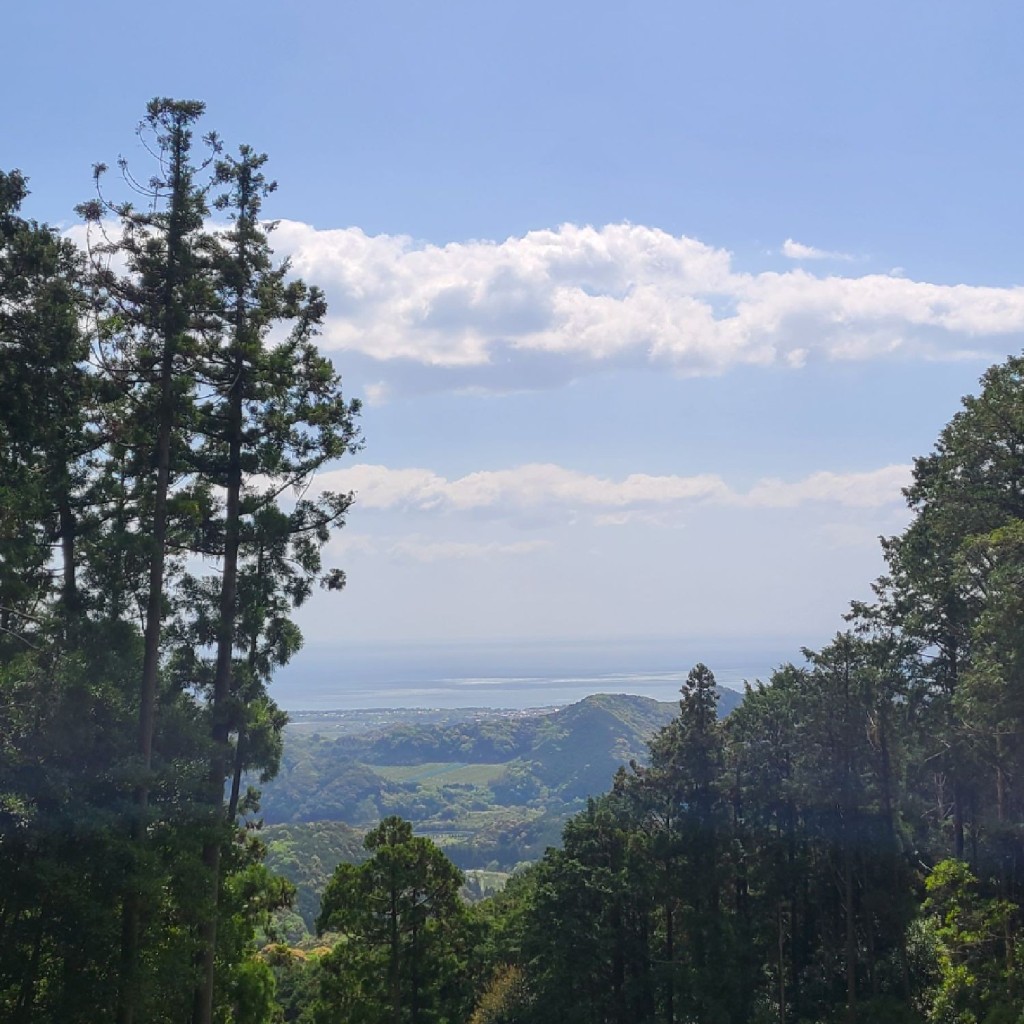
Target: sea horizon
{"points": [[513, 674]]}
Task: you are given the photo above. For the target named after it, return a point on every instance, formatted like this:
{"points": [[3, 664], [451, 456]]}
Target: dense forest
{"points": [[846, 845], [441, 776], [492, 788]]}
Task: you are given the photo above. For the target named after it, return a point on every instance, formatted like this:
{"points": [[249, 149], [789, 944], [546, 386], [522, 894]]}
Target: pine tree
{"points": [[272, 413], [44, 432], [399, 914]]}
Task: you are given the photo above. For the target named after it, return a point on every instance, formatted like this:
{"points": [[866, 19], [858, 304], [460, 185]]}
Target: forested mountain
{"points": [[493, 790], [499, 760], [846, 845]]}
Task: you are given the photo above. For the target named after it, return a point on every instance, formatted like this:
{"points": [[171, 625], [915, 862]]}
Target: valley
{"points": [[492, 787]]}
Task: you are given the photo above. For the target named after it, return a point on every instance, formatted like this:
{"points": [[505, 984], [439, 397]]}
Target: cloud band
{"points": [[626, 294], [539, 485]]}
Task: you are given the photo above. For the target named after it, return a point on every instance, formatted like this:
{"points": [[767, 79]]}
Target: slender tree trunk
{"points": [[670, 956], [847, 839], [851, 937], [203, 1012], [1000, 781], [958, 796], [394, 982], [228, 614], [958, 821], [236, 777], [618, 969], [872, 955], [1004, 881], [172, 326], [782, 967], [147, 708], [796, 903], [69, 586], [414, 976], [241, 744], [889, 809]]}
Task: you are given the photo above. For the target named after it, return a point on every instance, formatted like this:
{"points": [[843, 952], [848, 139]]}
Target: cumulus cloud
{"points": [[436, 551], [798, 251], [554, 304], [416, 549], [559, 303], [853, 490], [535, 486]]}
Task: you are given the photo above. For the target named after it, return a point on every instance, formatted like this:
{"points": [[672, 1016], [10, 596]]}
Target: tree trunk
{"points": [[781, 964], [203, 1013], [394, 982], [851, 937], [69, 587], [958, 821], [670, 956], [172, 325], [228, 613], [236, 776]]}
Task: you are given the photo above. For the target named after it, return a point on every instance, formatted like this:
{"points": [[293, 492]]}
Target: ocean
{"points": [[520, 674]]}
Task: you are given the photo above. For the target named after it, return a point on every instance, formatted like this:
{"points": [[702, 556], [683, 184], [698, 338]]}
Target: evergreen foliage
{"points": [[402, 926], [150, 424]]}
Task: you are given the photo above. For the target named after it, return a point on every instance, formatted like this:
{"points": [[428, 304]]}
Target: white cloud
{"points": [[543, 485], [637, 517], [436, 551], [853, 490], [378, 393], [415, 548], [557, 303], [798, 251]]}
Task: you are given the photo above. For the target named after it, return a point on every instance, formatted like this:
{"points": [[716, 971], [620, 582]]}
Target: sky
{"points": [[651, 305]]}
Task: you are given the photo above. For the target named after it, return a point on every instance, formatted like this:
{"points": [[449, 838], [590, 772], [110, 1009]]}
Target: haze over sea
{"points": [[513, 675]]}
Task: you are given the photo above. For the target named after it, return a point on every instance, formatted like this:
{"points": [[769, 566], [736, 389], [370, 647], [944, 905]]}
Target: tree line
{"points": [[845, 846], [848, 844], [164, 409]]}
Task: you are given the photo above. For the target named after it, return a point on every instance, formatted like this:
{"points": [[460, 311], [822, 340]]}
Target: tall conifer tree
{"points": [[270, 414]]}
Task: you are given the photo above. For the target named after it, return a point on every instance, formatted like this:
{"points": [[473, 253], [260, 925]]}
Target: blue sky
{"points": [[652, 304]]}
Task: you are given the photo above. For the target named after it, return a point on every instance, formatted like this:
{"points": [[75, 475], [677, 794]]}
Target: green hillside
{"points": [[493, 789], [473, 781], [307, 855]]}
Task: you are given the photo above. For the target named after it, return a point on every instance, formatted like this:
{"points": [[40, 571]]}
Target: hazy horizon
{"points": [[510, 674]]}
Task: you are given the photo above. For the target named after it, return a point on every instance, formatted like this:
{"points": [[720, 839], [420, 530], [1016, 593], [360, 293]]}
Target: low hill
{"points": [[307, 855], [493, 788], [441, 771]]}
